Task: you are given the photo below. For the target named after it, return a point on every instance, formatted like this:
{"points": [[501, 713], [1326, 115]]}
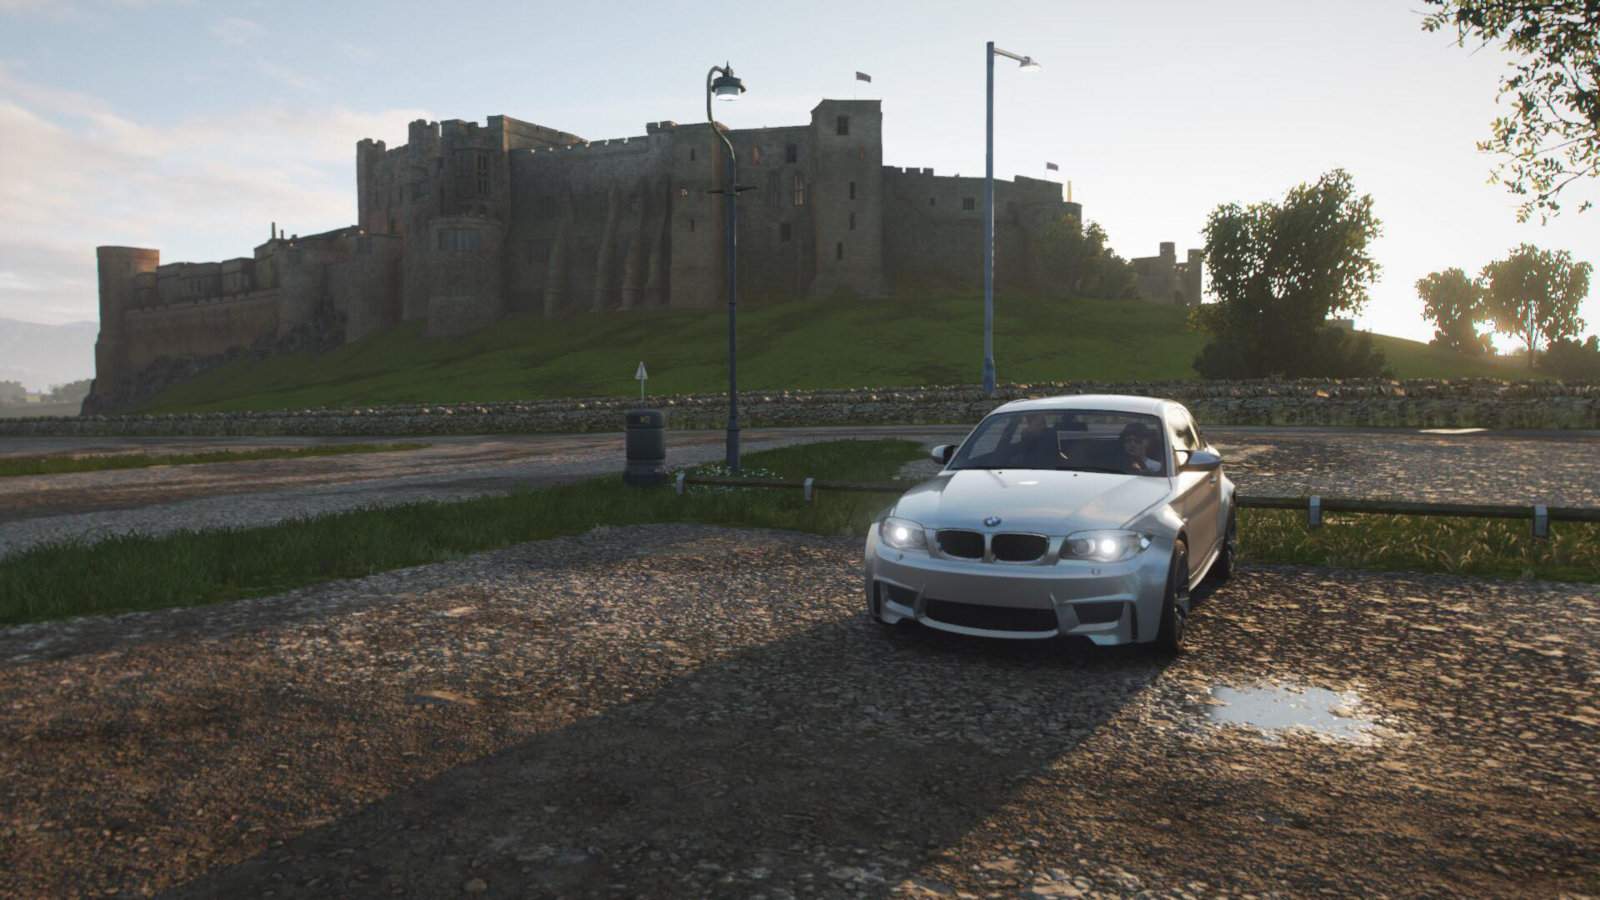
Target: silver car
{"points": [[1082, 515]]}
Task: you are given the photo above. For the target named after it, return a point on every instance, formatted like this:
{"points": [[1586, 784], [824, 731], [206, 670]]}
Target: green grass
{"points": [[794, 344], [57, 465], [193, 568], [1488, 548]]}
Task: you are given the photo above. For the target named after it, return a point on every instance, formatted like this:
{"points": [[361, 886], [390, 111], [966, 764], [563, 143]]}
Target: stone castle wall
{"points": [[467, 223]]}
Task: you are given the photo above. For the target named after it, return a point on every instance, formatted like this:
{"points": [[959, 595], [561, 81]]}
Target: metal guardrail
{"points": [[1314, 505]]}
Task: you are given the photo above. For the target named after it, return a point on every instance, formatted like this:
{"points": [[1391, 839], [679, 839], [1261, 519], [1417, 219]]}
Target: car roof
{"points": [[1123, 403]]}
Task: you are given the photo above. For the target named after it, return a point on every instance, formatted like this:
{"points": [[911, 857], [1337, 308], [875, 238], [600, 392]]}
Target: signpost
{"points": [[640, 376]]}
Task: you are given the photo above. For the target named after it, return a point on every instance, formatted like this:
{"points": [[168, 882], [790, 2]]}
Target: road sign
{"points": [[640, 377]]}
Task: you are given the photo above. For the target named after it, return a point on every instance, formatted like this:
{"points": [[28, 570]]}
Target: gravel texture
{"points": [[692, 711], [1556, 469]]}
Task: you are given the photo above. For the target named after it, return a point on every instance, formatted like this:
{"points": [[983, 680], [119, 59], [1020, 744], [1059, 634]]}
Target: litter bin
{"points": [[647, 447]]}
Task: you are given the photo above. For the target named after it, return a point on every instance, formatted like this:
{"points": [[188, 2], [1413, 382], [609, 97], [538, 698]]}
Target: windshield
{"points": [[1077, 440]]}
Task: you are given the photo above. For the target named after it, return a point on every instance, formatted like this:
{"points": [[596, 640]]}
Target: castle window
{"points": [[483, 175], [755, 156], [460, 239], [969, 204], [691, 224], [852, 221], [843, 125], [799, 190], [785, 231], [838, 250], [861, 152], [852, 190], [791, 153], [691, 154], [933, 201]]}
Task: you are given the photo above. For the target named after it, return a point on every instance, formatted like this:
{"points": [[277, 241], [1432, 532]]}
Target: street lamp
{"points": [[728, 87], [1027, 64]]}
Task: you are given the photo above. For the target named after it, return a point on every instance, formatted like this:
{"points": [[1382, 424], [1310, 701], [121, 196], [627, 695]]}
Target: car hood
{"points": [[1039, 500]]}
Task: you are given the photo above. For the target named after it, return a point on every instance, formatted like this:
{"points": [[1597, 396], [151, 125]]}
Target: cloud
{"points": [[236, 32], [78, 175], [287, 76]]}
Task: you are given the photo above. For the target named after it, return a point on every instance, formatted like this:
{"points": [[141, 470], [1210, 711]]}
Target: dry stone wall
{"points": [[1467, 403]]}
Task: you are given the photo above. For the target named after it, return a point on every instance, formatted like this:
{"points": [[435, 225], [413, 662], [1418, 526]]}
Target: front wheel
{"points": [[1175, 605]]}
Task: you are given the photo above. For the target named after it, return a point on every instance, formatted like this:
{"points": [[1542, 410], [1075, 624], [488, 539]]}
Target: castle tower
{"points": [[1192, 282], [847, 196], [119, 267]]}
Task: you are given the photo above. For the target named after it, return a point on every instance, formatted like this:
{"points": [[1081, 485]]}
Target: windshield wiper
{"points": [[1091, 469]]}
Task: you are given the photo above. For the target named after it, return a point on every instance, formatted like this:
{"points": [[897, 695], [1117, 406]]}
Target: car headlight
{"points": [[902, 534], [1104, 546]]}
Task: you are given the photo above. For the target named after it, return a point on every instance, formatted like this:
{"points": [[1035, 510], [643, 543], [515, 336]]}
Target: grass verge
{"points": [[1488, 548], [194, 568], [190, 568], [58, 465]]}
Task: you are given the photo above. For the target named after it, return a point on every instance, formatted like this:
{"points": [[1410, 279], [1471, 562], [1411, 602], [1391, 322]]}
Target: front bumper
{"points": [[1109, 603]]}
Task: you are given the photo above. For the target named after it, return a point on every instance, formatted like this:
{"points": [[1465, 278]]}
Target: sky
{"points": [[190, 127]]}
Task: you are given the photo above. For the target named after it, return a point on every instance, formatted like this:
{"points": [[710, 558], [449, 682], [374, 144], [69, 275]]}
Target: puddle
{"points": [[1275, 709]]}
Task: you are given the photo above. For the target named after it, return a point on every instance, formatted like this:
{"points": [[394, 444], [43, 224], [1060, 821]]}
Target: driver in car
{"points": [[1036, 443], [1137, 457]]}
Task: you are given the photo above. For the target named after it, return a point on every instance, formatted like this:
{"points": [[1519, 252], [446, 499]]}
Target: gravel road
{"points": [[1556, 469], [693, 711]]}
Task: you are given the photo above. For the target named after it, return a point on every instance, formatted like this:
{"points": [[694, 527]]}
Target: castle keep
{"points": [[468, 223]]}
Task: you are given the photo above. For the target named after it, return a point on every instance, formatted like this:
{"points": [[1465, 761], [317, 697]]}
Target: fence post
{"points": [[1314, 512], [1541, 522], [808, 488], [678, 484]]}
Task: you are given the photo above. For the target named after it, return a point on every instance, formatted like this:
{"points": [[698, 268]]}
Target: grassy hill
{"points": [[795, 344]]}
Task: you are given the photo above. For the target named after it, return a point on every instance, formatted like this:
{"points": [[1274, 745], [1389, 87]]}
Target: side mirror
{"points": [[942, 453], [1199, 461]]}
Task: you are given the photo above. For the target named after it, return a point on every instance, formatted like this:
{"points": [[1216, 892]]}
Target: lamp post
{"points": [[1028, 65], [727, 87]]}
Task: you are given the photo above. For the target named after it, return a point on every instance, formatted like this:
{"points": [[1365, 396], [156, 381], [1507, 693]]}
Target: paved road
{"points": [[1553, 468]]}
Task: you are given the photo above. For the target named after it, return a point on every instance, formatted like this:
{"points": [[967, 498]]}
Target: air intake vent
{"points": [[965, 544], [1018, 547]]}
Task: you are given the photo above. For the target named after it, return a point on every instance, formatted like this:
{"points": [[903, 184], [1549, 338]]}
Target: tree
{"points": [[1572, 361], [1074, 261], [1279, 270], [1551, 137], [1455, 304], [1534, 294]]}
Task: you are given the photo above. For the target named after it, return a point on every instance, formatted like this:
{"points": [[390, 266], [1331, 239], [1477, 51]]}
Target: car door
{"points": [[1199, 495]]}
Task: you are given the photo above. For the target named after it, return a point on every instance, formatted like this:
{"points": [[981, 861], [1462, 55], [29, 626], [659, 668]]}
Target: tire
{"points": [[1222, 569], [1174, 617]]}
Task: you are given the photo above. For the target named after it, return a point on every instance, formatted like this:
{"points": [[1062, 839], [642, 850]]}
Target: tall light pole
{"points": [[728, 87], [1028, 65]]}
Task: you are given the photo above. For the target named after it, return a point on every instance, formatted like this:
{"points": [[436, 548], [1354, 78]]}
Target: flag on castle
{"points": [[1052, 167], [862, 76]]}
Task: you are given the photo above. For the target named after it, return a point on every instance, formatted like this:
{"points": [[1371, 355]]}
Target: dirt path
{"points": [[689, 711]]}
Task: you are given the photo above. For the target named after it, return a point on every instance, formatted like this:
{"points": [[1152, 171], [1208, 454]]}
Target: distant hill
{"points": [[41, 356], [795, 344]]}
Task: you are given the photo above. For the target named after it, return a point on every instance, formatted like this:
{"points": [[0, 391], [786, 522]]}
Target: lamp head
{"points": [[1029, 64], [727, 86]]}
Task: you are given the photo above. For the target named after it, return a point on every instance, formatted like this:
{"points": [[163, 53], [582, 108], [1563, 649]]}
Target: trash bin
{"points": [[647, 447]]}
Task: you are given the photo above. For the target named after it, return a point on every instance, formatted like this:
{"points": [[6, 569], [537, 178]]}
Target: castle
{"points": [[468, 223]]}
